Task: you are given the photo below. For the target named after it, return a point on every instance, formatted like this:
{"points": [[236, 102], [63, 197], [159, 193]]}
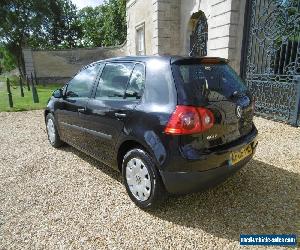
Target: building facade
{"points": [[179, 27]]}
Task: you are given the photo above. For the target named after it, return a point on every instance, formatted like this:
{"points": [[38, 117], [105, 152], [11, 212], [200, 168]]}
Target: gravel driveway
{"points": [[62, 199]]}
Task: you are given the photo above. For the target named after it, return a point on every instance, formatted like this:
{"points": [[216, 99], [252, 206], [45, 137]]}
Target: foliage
{"points": [[91, 20], [51, 24], [17, 21], [114, 25], [7, 62], [71, 32], [104, 25], [38, 24]]}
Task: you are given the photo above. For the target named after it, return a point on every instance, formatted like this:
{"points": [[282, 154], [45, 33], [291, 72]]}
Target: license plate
{"points": [[240, 155]]}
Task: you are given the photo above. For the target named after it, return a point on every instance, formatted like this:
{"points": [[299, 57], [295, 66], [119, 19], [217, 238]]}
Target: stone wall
{"points": [[27, 56], [140, 13], [60, 65]]}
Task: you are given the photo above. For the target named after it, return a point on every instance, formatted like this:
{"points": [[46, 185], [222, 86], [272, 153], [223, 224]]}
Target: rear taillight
{"points": [[189, 120]]}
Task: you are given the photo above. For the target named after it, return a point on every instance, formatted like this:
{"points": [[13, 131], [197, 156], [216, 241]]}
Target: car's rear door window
{"points": [[113, 81]]}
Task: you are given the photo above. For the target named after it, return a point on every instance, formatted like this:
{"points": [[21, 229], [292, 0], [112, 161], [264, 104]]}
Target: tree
{"points": [[56, 24], [114, 22], [91, 20], [104, 25], [48, 24], [38, 24], [18, 19], [72, 31], [6, 60]]}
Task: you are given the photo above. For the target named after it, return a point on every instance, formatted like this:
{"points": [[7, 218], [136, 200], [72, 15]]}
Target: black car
{"points": [[168, 124]]}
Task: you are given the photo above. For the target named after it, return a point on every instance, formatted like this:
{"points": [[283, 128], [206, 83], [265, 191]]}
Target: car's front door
{"points": [[118, 92], [77, 94]]}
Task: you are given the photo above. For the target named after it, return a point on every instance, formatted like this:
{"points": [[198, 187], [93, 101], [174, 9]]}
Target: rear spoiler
{"points": [[205, 60]]}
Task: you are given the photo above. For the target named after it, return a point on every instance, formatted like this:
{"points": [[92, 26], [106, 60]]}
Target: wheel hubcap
{"points": [[51, 130], [138, 179]]}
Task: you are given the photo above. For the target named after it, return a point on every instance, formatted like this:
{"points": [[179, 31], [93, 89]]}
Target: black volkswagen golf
{"points": [[168, 124]]}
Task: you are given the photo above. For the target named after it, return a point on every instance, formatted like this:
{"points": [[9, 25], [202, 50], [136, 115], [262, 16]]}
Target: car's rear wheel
{"points": [[142, 180], [52, 132]]}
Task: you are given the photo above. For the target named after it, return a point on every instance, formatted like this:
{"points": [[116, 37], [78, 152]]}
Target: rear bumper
{"points": [[188, 182], [182, 182]]}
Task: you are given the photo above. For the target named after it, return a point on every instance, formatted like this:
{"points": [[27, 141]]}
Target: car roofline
{"points": [[168, 58], [135, 59]]}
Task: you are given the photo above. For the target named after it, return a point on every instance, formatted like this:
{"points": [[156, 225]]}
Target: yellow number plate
{"points": [[240, 155]]}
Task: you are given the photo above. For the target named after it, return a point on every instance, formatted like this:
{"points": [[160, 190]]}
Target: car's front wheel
{"points": [[52, 132], [142, 180]]}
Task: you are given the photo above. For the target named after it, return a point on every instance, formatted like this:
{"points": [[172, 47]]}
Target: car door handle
{"points": [[82, 110], [120, 115]]}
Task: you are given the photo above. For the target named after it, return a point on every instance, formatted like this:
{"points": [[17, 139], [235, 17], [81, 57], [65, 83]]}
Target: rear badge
{"points": [[238, 111], [211, 137]]}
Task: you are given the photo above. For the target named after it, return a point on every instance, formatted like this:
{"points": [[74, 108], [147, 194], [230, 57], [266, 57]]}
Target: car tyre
{"points": [[142, 179], [52, 132]]}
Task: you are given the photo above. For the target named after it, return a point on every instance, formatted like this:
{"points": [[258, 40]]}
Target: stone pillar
{"points": [[166, 21], [225, 30]]}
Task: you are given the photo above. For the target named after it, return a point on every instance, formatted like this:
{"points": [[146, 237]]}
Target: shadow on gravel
{"points": [[259, 199], [97, 164]]}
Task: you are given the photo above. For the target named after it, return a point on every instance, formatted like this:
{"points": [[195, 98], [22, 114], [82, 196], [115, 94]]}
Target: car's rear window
{"points": [[220, 78]]}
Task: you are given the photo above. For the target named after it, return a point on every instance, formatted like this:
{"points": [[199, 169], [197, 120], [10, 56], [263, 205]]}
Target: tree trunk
{"points": [[21, 65]]}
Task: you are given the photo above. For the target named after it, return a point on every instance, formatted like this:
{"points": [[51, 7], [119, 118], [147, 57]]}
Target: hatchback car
{"points": [[168, 124]]}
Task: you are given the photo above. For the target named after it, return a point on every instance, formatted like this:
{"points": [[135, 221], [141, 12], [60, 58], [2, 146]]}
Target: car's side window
{"points": [[82, 84], [136, 84], [114, 80]]}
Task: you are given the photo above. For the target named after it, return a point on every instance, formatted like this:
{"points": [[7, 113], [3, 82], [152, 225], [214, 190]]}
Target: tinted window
{"points": [[160, 84], [136, 84], [82, 84], [114, 80], [220, 78]]}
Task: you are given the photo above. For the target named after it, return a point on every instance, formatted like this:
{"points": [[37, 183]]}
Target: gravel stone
{"points": [[63, 199]]}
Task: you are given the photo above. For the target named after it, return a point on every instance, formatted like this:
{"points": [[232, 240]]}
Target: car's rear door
{"points": [[217, 87], [77, 94], [120, 87]]}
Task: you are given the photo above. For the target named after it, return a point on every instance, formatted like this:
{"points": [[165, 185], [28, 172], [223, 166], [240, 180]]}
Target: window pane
{"points": [[113, 81], [137, 82], [82, 84], [140, 41], [220, 78]]}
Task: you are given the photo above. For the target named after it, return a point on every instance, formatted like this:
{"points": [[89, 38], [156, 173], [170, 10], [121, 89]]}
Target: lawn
{"points": [[26, 102]]}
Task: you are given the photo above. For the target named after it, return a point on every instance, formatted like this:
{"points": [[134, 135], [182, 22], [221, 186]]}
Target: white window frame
{"points": [[140, 39]]}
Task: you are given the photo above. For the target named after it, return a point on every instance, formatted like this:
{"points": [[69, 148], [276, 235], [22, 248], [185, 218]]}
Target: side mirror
{"points": [[58, 93]]}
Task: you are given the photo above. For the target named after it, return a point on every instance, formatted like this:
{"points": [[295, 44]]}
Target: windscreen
{"points": [[204, 80]]}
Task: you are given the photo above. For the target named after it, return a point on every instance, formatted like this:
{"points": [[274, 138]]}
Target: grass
{"points": [[26, 102]]}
